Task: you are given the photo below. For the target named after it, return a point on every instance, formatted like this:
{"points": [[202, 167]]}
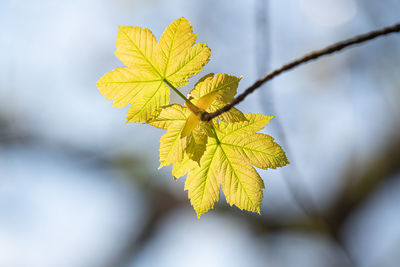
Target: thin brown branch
{"points": [[304, 59]]}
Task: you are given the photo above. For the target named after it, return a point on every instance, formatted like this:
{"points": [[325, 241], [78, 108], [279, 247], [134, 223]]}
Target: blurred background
{"points": [[79, 187]]}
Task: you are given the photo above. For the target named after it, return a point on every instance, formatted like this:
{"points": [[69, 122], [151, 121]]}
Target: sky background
{"points": [[78, 184]]}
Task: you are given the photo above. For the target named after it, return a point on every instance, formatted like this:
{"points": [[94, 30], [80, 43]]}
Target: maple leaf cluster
{"points": [[217, 154]]}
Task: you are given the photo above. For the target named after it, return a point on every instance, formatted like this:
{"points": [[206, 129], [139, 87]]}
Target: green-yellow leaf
{"points": [[136, 48], [225, 86], [203, 103], [182, 167], [202, 181], [190, 124], [197, 141], [232, 115], [147, 103], [149, 65], [254, 123], [209, 93], [123, 84], [172, 146], [227, 163], [223, 83], [169, 115], [260, 149], [241, 184], [197, 130]]}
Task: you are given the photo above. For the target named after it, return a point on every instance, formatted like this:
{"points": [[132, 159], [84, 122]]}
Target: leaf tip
{"points": [[161, 165], [258, 211], [200, 212], [122, 28]]}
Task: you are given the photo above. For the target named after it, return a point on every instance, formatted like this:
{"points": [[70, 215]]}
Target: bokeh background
{"points": [[79, 187]]}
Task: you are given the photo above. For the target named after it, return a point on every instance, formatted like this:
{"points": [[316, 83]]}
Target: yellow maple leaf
{"points": [[152, 67], [227, 163], [172, 146], [226, 85]]}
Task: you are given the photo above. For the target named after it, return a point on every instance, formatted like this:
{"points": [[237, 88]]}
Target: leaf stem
{"points": [[189, 104], [175, 90]]}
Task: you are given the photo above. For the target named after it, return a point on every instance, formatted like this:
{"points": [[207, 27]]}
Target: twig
{"points": [[308, 57]]}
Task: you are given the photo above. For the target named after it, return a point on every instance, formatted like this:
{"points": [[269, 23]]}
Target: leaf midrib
{"points": [[208, 169], [193, 58], [217, 88], [144, 57], [249, 124], [176, 139], [246, 148], [145, 104], [241, 184], [170, 48]]}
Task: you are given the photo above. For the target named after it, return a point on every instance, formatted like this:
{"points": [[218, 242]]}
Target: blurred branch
{"points": [[161, 203], [304, 59], [358, 188]]}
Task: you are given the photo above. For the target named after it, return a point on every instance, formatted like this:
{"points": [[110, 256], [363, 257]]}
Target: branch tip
{"points": [[358, 39]]}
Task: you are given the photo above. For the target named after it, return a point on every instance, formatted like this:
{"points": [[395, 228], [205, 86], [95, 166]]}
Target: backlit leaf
{"points": [[220, 153], [254, 123], [182, 167], [259, 149], [168, 115], [197, 141], [227, 163], [150, 66], [172, 146]]}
